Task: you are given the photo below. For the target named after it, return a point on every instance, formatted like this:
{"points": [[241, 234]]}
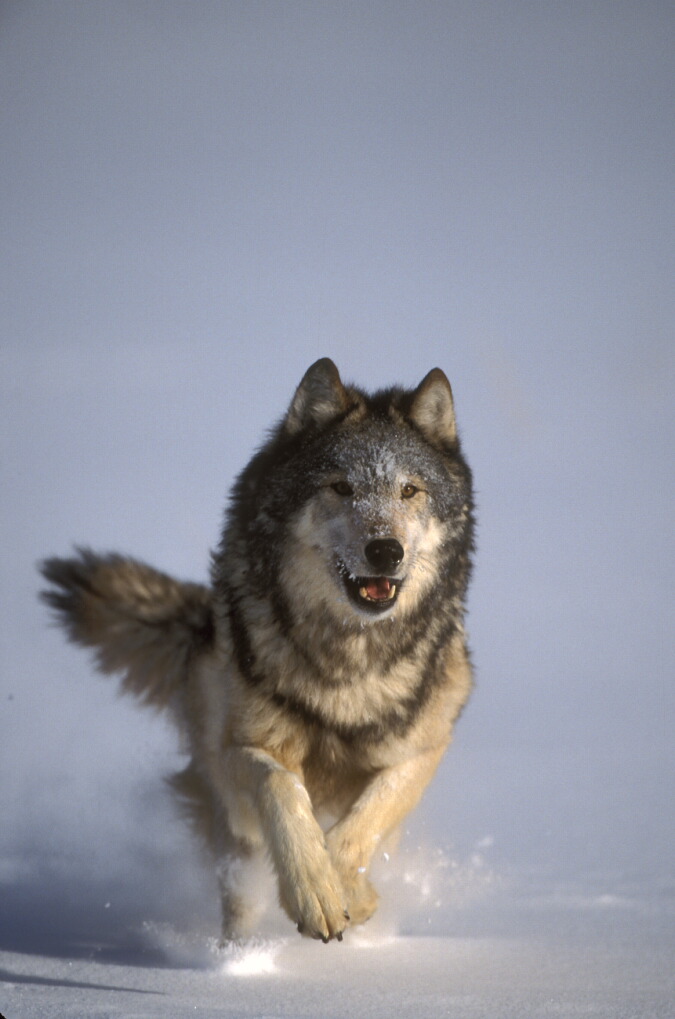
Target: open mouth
{"points": [[373, 594]]}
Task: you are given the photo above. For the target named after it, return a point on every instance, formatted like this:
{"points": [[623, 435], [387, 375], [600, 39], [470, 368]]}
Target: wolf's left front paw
{"points": [[362, 899]]}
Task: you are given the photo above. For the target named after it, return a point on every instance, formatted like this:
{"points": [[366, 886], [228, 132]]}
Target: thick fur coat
{"points": [[318, 678]]}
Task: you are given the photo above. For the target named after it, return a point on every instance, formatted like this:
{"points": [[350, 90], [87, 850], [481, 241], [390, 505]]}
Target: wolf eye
{"points": [[408, 491], [342, 488]]}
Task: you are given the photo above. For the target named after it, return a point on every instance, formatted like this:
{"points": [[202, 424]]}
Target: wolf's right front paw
{"points": [[315, 903]]}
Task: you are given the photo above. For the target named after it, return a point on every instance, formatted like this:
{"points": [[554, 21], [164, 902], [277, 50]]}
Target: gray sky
{"points": [[200, 199]]}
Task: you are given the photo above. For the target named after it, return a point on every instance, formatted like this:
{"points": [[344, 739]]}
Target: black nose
{"points": [[385, 554]]}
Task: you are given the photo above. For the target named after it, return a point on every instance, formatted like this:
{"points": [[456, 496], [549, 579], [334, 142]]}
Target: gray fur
{"points": [[305, 684]]}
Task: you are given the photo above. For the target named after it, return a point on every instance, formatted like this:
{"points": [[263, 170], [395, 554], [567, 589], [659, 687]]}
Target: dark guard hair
{"points": [[327, 423]]}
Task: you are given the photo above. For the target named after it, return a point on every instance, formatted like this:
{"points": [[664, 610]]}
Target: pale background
{"points": [[200, 199]]}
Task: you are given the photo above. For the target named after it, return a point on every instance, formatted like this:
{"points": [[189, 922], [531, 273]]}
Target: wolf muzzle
{"points": [[377, 593]]}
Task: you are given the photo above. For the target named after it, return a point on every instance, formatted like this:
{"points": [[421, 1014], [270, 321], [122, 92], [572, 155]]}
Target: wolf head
{"points": [[359, 507]]}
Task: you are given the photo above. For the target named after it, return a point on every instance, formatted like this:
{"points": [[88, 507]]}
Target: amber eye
{"points": [[408, 491], [342, 488]]}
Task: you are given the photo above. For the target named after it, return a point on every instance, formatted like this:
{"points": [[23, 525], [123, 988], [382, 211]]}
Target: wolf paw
{"points": [[316, 904], [362, 899]]}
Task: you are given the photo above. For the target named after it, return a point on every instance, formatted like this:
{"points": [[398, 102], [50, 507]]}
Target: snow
{"points": [[454, 937], [403, 976], [198, 201]]}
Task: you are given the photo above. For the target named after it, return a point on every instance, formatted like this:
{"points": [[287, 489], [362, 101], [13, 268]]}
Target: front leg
{"points": [[386, 800], [309, 887]]}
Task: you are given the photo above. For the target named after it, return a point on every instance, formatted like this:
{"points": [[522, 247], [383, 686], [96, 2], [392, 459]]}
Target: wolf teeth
{"points": [[392, 594]]}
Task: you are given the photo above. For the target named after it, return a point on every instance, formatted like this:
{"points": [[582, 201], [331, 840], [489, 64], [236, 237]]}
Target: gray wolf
{"points": [[318, 678]]}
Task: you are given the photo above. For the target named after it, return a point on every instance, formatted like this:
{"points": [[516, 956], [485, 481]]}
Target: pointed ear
{"points": [[319, 398], [432, 409]]}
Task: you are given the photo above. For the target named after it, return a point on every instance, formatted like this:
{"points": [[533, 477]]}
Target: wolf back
{"points": [[322, 671]]}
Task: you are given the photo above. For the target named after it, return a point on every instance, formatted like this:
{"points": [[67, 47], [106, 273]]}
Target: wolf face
{"points": [[364, 506], [369, 541]]}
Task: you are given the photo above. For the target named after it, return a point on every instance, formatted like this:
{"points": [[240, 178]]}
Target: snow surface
{"points": [[407, 977], [453, 938], [558, 953]]}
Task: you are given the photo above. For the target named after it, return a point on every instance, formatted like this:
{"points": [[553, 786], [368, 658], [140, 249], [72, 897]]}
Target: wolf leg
{"points": [[380, 808], [309, 888], [239, 913], [232, 855]]}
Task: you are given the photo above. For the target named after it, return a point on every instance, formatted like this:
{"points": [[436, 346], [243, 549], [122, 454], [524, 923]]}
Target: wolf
{"points": [[316, 680]]}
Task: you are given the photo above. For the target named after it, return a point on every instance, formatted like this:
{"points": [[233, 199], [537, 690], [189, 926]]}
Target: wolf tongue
{"points": [[378, 588]]}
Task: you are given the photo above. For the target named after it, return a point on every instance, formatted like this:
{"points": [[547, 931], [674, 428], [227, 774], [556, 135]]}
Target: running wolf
{"points": [[317, 679]]}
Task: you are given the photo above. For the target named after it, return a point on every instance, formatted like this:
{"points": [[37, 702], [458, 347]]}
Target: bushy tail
{"points": [[140, 621]]}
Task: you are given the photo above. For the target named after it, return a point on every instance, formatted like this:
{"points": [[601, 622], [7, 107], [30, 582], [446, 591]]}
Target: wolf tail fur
{"points": [[140, 622]]}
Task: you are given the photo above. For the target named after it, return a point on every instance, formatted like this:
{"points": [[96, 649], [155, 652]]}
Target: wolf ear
{"points": [[319, 398], [432, 409]]}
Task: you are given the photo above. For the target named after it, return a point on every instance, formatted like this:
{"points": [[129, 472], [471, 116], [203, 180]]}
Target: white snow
{"points": [[453, 938], [473, 978]]}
